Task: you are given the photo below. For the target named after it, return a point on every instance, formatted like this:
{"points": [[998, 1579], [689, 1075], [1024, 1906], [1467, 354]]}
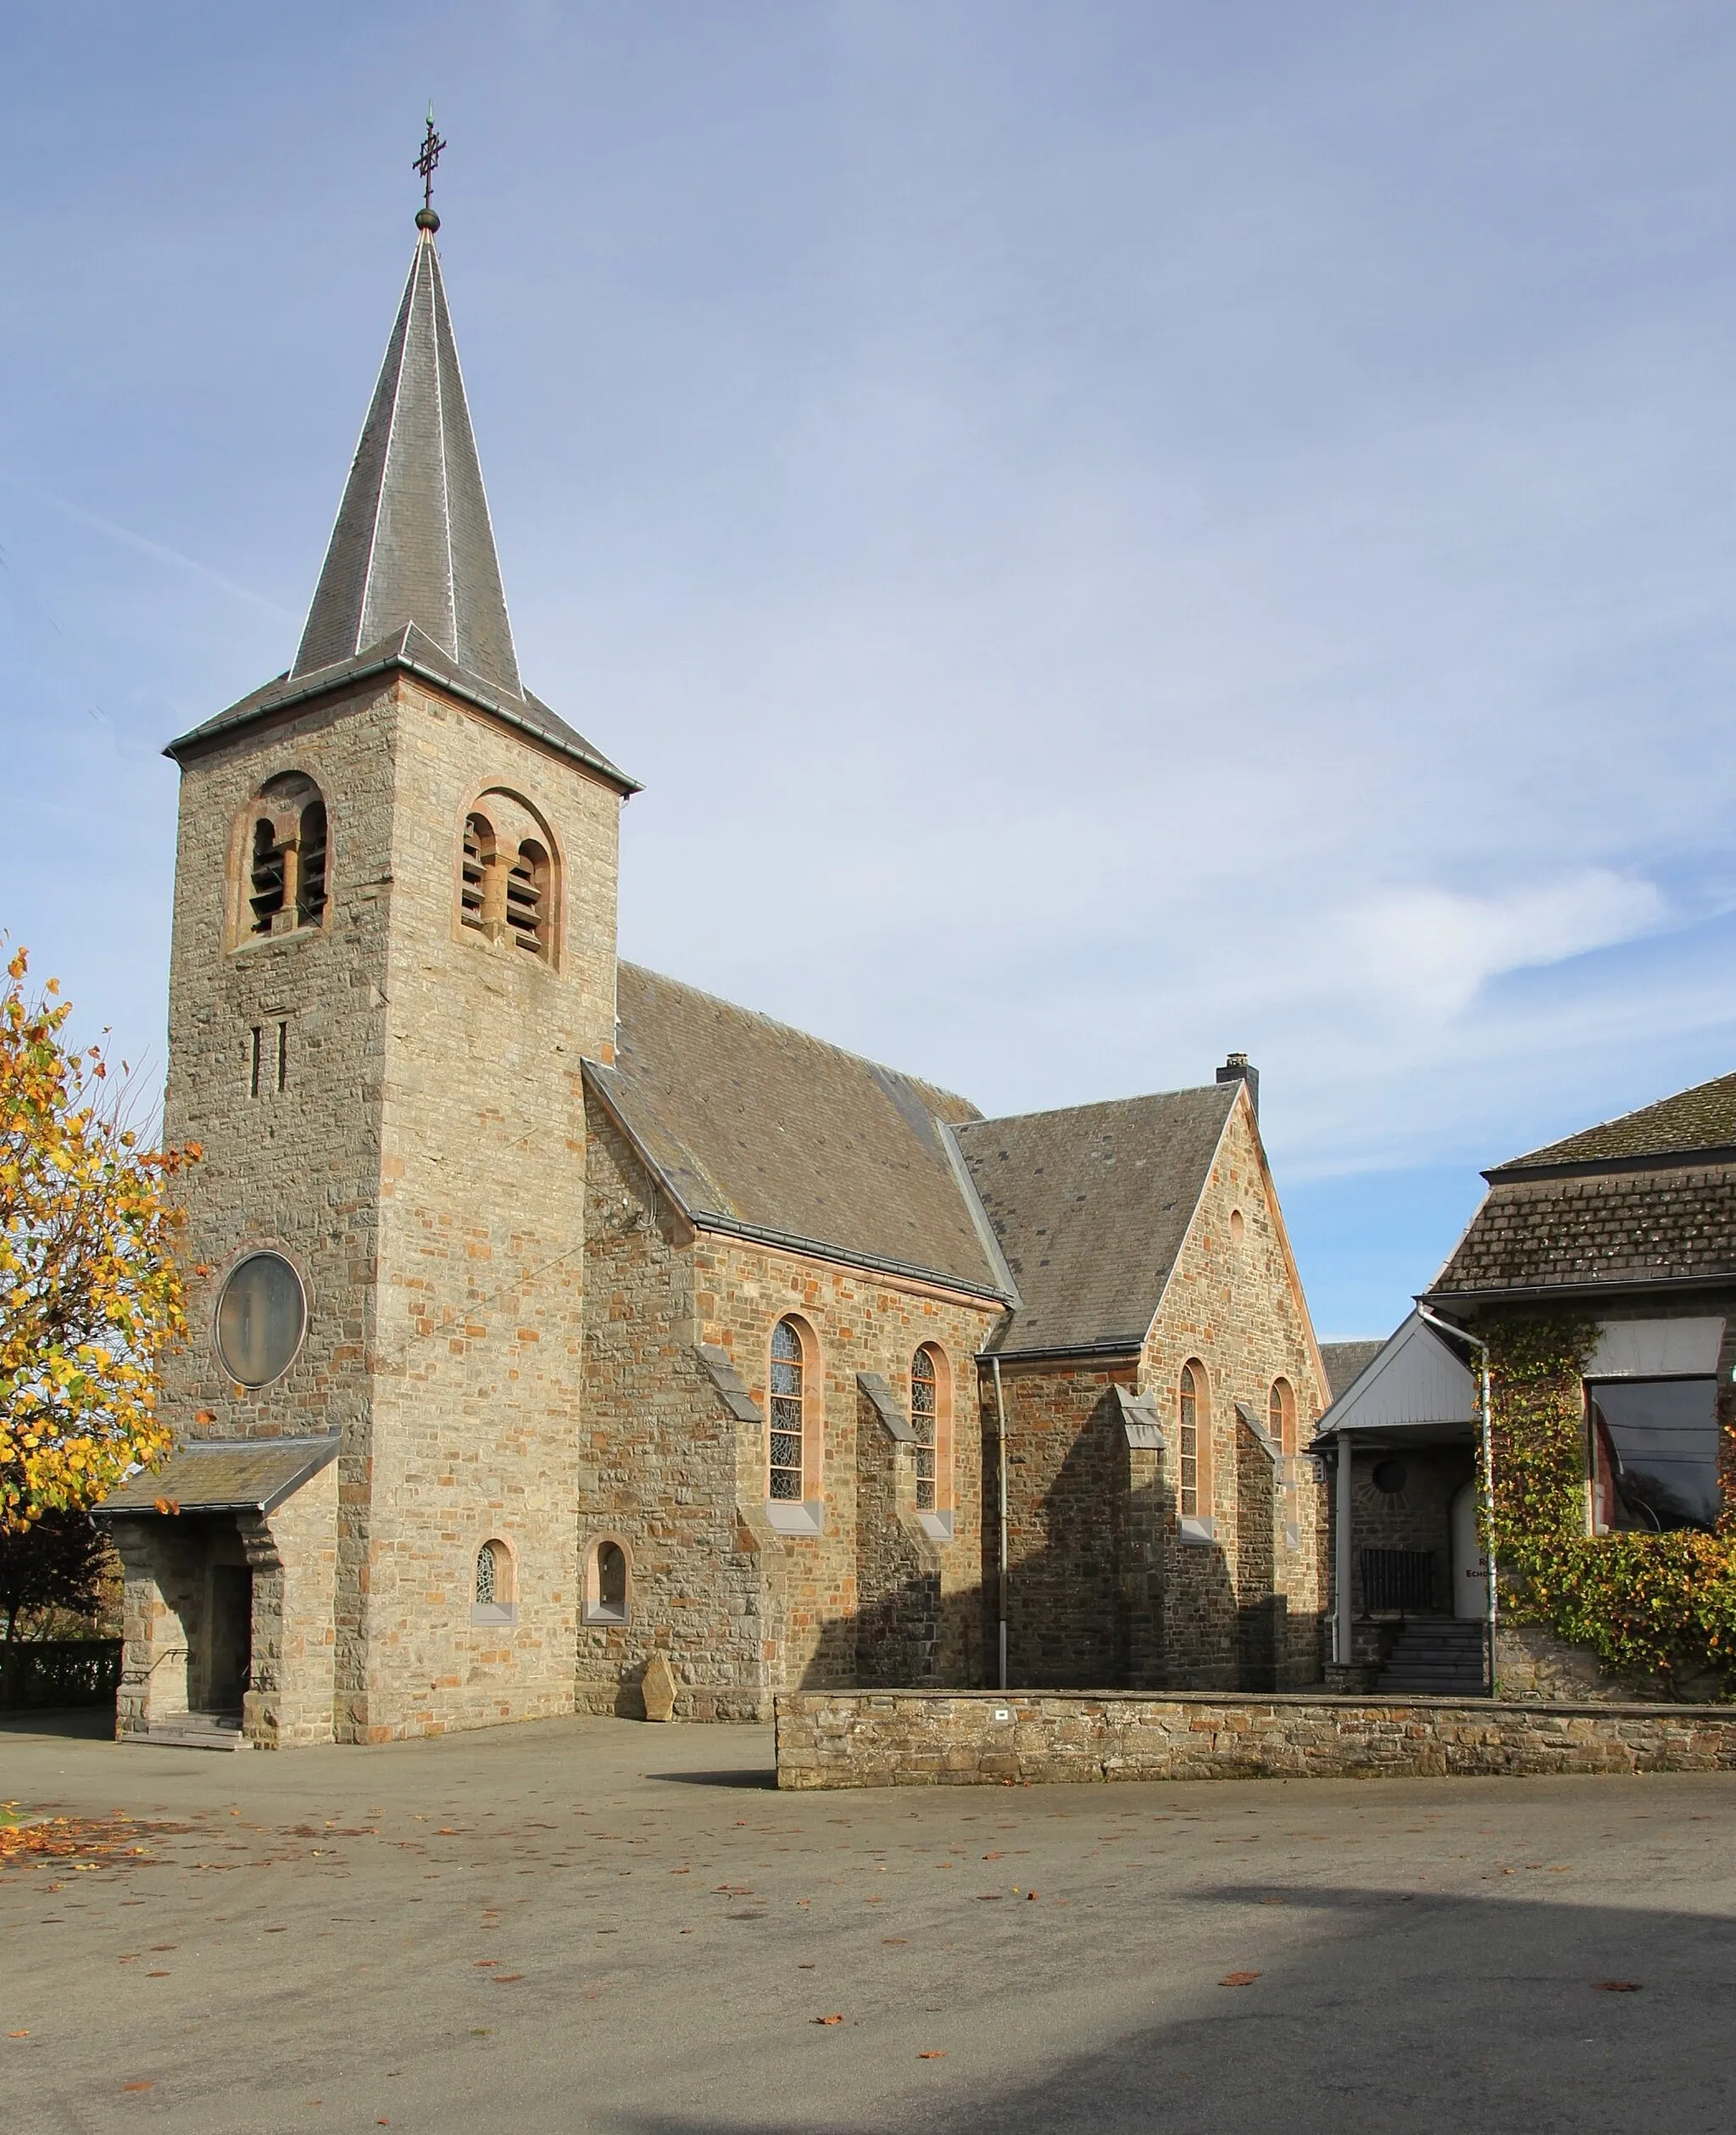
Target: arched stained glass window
{"points": [[1193, 1481], [788, 1413], [1281, 1416], [924, 1419], [487, 1577]]}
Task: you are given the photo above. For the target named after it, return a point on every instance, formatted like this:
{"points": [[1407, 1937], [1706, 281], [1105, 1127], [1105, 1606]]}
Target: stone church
{"points": [[560, 1330]]}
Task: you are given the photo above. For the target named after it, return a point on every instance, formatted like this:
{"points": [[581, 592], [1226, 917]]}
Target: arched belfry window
{"points": [[789, 1416], [284, 858], [526, 890], [507, 877]]}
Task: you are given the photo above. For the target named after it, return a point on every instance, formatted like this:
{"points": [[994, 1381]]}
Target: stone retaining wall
{"points": [[941, 1738]]}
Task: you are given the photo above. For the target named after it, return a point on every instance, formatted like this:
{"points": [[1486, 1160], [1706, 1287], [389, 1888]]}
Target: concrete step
{"points": [[196, 1731]]}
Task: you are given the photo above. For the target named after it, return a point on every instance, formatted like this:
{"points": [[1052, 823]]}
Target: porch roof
{"points": [[249, 1476], [1417, 1385]]}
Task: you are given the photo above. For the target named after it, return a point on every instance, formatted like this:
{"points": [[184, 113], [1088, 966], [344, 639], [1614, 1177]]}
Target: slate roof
{"points": [[759, 1129], [1090, 1206], [1700, 1118], [413, 541], [411, 580], [223, 1476], [1643, 1224], [1346, 1361]]}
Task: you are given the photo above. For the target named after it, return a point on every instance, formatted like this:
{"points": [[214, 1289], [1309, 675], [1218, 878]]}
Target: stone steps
{"points": [[196, 1731], [1437, 1656]]}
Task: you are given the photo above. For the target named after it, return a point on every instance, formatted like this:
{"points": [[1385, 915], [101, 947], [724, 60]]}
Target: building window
{"points": [[1653, 1454], [478, 862], [506, 876], [1281, 1416], [606, 1584], [924, 1421], [1194, 1434], [284, 858], [526, 893], [788, 1413], [494, 1595], [262, 1315]]}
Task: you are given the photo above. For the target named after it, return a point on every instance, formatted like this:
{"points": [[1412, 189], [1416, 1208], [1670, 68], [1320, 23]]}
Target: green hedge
{"points": [[59, 1671]]}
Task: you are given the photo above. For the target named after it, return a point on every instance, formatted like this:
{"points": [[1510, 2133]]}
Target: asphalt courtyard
{"points": [[598, 1925]]}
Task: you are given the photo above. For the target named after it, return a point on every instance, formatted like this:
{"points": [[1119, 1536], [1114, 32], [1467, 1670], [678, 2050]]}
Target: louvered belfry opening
{"points": [[527, 888], [478, 853], [265, 881], [310, 875]]}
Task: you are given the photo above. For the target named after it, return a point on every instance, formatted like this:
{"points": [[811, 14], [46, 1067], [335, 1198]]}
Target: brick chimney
{"points": [[1237, 1069]]}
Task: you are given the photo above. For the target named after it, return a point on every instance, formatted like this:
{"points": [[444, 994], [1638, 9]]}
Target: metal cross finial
{"points": [[424, 165]]}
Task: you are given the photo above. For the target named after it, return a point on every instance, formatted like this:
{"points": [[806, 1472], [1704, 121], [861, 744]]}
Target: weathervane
{"points": [[424, 166]]}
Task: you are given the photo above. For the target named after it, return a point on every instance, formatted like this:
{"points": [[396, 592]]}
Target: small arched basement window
{"points": [[606, 1583], [788, 1414], [494, 1595]]}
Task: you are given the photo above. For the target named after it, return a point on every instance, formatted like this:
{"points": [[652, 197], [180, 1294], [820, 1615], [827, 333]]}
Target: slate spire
{"points": [[414, 544]]}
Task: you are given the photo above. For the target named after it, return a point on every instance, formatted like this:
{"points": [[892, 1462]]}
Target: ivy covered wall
{"points": [[1652, 1604]]}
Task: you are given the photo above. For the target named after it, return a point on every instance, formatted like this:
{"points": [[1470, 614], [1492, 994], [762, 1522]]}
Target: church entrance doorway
{"points": [[228, 1669], [1469, 1570]]}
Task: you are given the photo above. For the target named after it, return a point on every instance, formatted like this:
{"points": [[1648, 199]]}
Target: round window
{"points": [[261, 1318], [1389, 1475]]}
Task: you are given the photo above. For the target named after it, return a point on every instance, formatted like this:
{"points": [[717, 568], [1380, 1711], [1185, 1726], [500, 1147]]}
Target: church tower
{"points": [[394, 943]]}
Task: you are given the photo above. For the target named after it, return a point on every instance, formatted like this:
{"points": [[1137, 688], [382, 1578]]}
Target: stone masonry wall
{"points": [[662, 1468], [1237, 1307], [1067, 1479], [861, 1323], [477, 1357], [886, 1738]]}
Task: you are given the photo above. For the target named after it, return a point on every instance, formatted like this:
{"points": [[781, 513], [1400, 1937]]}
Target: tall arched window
{"points": [[282, 858], [789, 1396], [1194, 1419], [925, 1422], [1281, 1416], [488, 1580]]}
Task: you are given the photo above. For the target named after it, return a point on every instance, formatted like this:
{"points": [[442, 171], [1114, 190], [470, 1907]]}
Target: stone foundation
{"points": [[939, 1738]]}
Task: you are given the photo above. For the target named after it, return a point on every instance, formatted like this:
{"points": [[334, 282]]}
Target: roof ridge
{"points": [[1226, 1090]]}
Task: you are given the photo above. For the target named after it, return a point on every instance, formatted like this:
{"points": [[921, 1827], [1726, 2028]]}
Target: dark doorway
{"points": [[232, 1647]]}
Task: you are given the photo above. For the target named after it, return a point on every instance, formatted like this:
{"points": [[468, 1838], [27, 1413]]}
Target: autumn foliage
{"points": [[89, 1291]]}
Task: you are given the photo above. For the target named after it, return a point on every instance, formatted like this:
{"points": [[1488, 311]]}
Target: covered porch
{"points": [[1410, 1583]]}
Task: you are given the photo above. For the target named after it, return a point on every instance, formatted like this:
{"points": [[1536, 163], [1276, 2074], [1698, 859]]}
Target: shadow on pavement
{"points": [[80, 1723], [765, 1778], [1405, 2012]]}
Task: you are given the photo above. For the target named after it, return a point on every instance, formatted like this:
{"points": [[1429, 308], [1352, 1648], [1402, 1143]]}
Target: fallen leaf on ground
{"points": [[1616, 1986], [145, 2086], [895, 1942], [1239, 1979], [933, 2054], [828, 2019], [18, 2034]]}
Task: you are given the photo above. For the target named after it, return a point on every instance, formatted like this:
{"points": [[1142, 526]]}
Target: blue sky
{"points": [[1111, 532]]}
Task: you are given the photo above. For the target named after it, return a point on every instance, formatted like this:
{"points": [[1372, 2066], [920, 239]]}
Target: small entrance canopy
{"points": [[248, 1476], [1416, 1390]]}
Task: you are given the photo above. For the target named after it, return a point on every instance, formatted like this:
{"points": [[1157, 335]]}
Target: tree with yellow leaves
{"points": [[89, 1289]]}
